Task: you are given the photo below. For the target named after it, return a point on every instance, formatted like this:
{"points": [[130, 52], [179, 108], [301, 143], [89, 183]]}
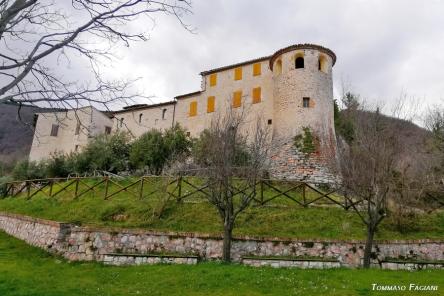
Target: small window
{"points": [[278, 67], [188, 134], [164, 111], [237, 99], [306, 102], [107, 130], [140, 117], [269, 121], [299, 63], [77, 128], [257, 69], [54, 130], [238, 73], [76, 148], [210, 104], [193, 109], [322, 64], [256, 95], [121, 122], [213, 79]]}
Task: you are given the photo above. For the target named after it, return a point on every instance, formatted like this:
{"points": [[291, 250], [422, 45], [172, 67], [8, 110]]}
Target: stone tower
{"points": [[303, 97]]}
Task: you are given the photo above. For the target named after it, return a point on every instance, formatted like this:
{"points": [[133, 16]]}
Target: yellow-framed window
{"points": [[193, 109], [238, 73], [213, 79], [257, 69], [211, 104], [257, 95], [237, 99]]}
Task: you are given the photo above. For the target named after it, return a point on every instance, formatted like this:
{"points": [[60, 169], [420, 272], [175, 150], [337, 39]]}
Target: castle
{"points": [[290, 90]]}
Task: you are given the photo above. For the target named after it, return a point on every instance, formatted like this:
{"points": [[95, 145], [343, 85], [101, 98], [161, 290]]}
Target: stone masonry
{"points": [[130, 246]]}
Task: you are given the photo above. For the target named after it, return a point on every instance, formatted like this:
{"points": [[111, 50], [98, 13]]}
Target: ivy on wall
{"points": [[305, 142]]}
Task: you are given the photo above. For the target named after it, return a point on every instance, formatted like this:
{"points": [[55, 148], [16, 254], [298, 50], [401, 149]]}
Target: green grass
{"points": [[26, 271], [127, 210]]}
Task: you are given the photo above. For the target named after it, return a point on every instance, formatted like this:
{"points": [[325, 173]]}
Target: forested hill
{"points": [[16, 132]]}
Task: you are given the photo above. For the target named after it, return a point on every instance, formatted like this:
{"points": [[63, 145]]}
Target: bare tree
{"points": [[367, 167], [233, 159], [34, 34]]}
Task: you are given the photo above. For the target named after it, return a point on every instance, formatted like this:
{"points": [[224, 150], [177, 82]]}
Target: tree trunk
{"points": [[368, 246], [228, 233]]}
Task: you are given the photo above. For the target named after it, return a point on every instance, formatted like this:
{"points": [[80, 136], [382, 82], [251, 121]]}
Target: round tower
{"points": [[303, 100]]}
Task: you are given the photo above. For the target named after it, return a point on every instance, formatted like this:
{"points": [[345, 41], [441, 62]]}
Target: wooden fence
{"points": [[267, 191]]}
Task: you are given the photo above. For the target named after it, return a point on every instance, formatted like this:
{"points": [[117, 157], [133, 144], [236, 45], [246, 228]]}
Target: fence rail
{"points": [[266, 191]]}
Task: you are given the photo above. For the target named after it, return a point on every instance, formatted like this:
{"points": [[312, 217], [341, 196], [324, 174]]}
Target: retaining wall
{"points": [[87, 243]]}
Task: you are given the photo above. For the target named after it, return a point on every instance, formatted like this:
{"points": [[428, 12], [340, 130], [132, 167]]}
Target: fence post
{"points": [[50, 187], [77, 188], [262, 191], [106, 187], [304, 195], [141, 187], [28, 188], [179, 185]]}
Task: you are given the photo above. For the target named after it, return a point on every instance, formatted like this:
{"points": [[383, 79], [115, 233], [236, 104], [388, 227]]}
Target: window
{"points": [[77, 128], [107, 130], [237, 99], [238, 73], [257, 69], [213, 79], [193, 109], [164, 111], [322, 64], [210, 104], [278, 67], [256, 95], [140, 117], [188, 134], [306, 102], [299, 62], [269, 121], [76, 148], [121, 122], [54, 130]]}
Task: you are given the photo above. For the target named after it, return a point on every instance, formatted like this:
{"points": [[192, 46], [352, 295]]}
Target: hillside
{"points": [[16, 131]]}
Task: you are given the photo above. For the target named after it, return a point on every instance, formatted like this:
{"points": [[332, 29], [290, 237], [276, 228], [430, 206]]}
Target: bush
{"points": [[103, 153], [305, 142], [58, 166], [154, 149], [28, 170], [3, 181]]}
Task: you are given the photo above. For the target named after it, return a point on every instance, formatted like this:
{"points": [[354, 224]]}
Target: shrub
{"points": [[154, 149], [58, 166], [28, 170], [105, 153], [3, 181]]}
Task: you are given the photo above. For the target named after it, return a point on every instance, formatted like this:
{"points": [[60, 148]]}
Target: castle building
{"points": [[290, 91]]}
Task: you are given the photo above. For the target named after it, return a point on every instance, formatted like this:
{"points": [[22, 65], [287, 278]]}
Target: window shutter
{"points": [[238, 73], [237, 99], [257, 70], [210, 104], [193, 109], [213, 79], [256, 95]]}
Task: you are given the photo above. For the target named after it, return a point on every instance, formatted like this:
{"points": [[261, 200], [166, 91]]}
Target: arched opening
{"points": [[278, 67], [299, 62], [322, 64]]}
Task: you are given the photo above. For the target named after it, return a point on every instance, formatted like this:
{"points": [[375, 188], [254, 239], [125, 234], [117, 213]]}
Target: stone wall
{"points": [[85, 243]]}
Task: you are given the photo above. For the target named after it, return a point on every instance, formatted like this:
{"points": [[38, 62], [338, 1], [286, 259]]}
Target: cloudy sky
{"points": [[384, 48]]}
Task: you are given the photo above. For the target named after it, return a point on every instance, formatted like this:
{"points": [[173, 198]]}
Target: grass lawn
{"points": [[26, 270], [197, 215]]}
